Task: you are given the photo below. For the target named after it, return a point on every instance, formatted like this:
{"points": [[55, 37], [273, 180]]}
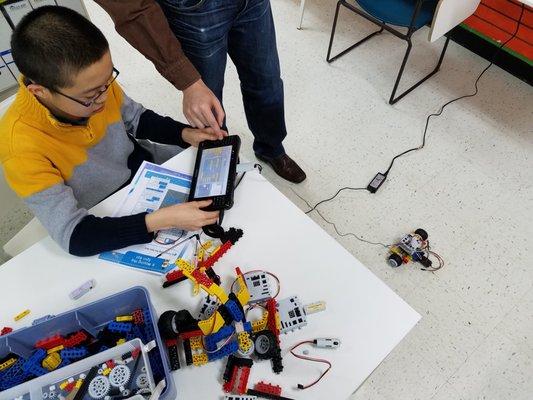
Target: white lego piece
{"points": [[258, 285], [292, 314]]}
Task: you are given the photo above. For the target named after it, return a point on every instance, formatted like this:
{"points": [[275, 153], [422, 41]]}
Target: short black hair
{"points": [[51, 44]]}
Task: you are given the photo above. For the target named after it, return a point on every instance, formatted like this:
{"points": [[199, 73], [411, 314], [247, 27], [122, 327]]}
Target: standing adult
{"points": [[188, 42]]}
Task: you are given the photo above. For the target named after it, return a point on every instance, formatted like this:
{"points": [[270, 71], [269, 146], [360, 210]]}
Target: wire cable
{"points": [[306, 358], [422, 145], [339, 233]]}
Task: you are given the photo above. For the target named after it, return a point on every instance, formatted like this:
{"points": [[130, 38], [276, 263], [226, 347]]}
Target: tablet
{"points": [[215, 171]]}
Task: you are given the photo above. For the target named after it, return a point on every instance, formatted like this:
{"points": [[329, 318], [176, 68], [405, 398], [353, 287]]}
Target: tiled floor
{"points": [[470, 188]]}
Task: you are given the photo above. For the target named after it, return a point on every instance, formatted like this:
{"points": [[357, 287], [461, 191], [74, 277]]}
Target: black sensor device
{"points": [[215, 171]]}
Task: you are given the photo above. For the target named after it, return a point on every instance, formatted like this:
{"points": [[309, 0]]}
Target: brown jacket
{"points": [[143, 24]]}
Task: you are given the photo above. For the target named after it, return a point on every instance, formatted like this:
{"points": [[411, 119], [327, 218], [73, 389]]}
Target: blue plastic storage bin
{"points": [[92, 318]]}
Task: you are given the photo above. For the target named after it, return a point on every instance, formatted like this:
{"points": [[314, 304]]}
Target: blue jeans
{"points": [[208, 30]]}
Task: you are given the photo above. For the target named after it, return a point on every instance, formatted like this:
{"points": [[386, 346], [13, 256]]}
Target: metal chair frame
{"points": [[411, 29]]}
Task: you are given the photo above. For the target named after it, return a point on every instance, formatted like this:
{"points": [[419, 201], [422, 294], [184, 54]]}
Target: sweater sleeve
{"points": [[72, 227], [144, 25], [94, 235], [160, 129]]}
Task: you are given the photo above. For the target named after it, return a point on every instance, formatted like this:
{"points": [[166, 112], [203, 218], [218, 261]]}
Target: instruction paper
{"points": [[154, 187]]}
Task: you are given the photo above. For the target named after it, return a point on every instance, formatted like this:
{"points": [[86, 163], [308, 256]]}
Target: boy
{"points": [[69, 140]]}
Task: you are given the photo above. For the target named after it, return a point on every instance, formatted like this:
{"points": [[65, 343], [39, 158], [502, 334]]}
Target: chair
{"points": [[410, 14], [33, 231]]}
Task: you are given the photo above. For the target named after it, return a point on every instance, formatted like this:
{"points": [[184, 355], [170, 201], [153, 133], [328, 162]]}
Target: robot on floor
{"points": [[412, 247]]}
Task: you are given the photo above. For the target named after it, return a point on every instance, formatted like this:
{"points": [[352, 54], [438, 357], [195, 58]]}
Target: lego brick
{"points": [[6, 330], [261, 324], [188, 335], [240, 397], [245, 343], [50, 342], [173, 357], [138, 318], [74, 353], [228, 370], [51, 361], [228, 385], [76, 339], [243, 380], [55, 349], [216, 255], [18, 317], [211, 341], [199, 359], [234, 310], [268, 388], [7, 362], [228, 349], [119, 327], [187, 351]]}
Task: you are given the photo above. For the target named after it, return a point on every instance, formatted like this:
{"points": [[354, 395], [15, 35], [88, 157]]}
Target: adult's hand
{"points": [[202, 108]]}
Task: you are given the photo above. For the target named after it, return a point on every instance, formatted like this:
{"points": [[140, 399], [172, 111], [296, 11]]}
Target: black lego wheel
{"points": [[423, 234], [167, 324], [265, 344], [395, 260]]}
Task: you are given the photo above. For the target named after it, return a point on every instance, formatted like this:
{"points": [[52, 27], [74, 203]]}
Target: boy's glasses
{"points": [[89, 103]]}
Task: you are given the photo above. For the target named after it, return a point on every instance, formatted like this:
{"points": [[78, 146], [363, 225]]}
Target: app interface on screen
{"points": [[213, 173]]}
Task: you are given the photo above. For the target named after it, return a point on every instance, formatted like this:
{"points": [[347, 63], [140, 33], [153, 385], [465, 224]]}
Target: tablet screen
{"points": [[213, 172]]}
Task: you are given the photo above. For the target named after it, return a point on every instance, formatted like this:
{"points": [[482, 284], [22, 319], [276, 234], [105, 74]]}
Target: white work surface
{"points": [[368, 317]]}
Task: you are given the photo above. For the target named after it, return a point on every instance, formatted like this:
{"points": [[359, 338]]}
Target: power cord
{"points": [[378, 180]]}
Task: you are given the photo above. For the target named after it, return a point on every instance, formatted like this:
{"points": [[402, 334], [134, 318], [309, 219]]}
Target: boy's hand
{"points": [[195, 136], [186, 216]]}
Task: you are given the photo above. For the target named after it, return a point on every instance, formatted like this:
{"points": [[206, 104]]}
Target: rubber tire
{"points": [[395, 260], [166, 325], [265, 336], [423, 234]]}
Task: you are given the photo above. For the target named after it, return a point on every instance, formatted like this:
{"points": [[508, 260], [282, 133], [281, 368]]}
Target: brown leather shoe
{"points": [[285, 167]]}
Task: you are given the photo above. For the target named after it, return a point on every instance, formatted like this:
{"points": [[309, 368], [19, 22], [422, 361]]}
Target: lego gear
{"points": [[119, 376], [99, 387], [142, 381]]}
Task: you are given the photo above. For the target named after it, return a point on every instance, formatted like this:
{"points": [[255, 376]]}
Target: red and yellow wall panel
{"points": [[496, 21]]}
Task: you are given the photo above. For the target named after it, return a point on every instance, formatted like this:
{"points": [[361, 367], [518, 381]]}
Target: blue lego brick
{"points": [[74, 352], [228, 349], [247, 327], [13, 376], [33, 364], [119, 327], [210, 341], [234, 310], [148, 325]]}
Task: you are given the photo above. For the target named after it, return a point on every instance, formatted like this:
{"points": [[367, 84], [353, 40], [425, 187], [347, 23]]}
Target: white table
{"points": [[368, 317]]}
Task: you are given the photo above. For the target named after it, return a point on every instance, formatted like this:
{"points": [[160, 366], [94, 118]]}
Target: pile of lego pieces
{"points": [[57, 351]]}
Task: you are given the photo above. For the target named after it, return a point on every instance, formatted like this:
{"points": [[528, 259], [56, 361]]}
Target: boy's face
{"points": [[87, 84]]}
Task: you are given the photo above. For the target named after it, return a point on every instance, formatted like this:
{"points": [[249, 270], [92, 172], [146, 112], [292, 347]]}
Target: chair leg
{"points": [[330, 59], [302, 9], [393, 99]]}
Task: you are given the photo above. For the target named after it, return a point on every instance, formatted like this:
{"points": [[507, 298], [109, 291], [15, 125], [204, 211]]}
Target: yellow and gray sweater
{"points": [[62, 169]]}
